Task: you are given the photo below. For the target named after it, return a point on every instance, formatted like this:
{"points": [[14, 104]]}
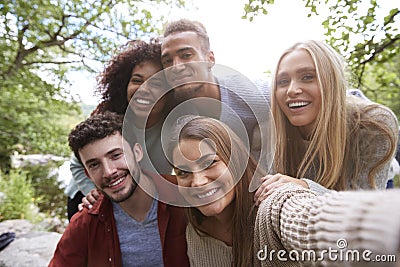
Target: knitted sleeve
{"points": [[332, 229], [316, 187]]}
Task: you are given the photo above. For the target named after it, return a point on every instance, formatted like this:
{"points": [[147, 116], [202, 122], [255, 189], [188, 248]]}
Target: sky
{"points": [[248, 47]]}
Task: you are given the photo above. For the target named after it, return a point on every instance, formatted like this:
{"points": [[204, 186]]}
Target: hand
{"points": [[271, 182], [89, 199]]}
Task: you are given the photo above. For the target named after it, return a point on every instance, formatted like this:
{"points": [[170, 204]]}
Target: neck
{"points": [[305, 132], [211, 89], [220, 226], [151, 121], [139, 204], [208, 100]]}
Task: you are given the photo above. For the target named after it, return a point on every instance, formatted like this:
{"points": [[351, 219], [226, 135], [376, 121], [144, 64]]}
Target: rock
{"points": [[51, 225], [31, 248], [17, 226]]}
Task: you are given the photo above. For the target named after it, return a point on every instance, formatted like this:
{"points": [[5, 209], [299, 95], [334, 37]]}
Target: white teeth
{"points": [[208, 194], [298, 104], [143, 101], [116, 182]]}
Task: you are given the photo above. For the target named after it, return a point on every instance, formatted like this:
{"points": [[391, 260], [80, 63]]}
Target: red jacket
{"points": [[91, 238]]}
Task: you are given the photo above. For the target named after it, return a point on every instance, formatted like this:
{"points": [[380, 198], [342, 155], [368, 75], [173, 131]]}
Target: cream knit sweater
{"points": [[294, 220], [206, 251]]}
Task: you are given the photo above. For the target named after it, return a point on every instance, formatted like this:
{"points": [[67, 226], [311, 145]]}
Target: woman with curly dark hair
{"points": [[118, 81]]}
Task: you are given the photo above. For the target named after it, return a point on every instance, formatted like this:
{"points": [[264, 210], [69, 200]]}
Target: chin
{"points": [[211, 210]]}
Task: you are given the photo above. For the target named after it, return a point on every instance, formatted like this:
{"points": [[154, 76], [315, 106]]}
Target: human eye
{"points": [[181, 173], [282, 82], [136, 80], [166, 62], [155, 84], [187, 55], [117, 155], [93, 165], [307, 77], [209, 163]]}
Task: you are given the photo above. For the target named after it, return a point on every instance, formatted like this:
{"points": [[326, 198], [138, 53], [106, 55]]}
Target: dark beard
{"points": [[184, 94], [135, 179]]}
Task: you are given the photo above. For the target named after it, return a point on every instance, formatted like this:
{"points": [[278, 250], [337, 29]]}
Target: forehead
{"points": [[147, 66], [180, 40], [192, 150], [299, 58], [100, 147]]}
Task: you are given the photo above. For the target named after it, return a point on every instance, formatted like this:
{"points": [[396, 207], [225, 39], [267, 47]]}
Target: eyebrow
{"points": [[201, 159], [180, 50], [301, 70], [107, 154], [183, 49], [137, 75], [305, 69]]}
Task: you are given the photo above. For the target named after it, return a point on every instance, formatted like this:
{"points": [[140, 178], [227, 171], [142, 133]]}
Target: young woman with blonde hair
{"points": [[339, 141]]}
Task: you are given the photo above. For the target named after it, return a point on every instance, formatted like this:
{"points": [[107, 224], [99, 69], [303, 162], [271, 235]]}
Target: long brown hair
{"points": [[241, 165]]}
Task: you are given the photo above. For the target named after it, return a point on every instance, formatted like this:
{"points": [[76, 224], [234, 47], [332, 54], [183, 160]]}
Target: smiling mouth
{"points": [[143, 101], [299, 104], [117, 182], [207, 194]]}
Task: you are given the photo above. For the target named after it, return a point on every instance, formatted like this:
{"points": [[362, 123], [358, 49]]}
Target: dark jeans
{"points": [[72, 204], [389, 184]]}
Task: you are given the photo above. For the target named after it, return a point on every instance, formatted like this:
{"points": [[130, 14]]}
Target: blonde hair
{"points": [[333, 143]]}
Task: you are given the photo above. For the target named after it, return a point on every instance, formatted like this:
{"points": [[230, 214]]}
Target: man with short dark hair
{"points": [[213, 90], [126, 226]]}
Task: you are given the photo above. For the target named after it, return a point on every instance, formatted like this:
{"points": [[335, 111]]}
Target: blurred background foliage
{"points": [[42, 41]]}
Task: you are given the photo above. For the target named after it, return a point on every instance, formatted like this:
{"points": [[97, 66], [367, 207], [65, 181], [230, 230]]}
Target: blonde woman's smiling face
{"points": [[297, 90]]}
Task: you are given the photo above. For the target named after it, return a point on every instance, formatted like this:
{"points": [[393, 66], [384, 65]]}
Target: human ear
{"points": [[138, 152]]}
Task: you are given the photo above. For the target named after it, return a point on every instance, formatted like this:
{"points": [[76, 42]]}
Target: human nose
{"points": [[293, 89], [178, 64], [199, 179], [108, 169]]}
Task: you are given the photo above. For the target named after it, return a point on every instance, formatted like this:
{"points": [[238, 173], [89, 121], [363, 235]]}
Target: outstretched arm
{"points": [[296, 220]]}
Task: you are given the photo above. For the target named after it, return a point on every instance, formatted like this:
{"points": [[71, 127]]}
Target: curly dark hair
{"points": [[186, 25], [113, 81], [94, 128]]}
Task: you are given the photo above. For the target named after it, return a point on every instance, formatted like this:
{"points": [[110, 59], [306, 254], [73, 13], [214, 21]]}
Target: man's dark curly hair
{"points": [[113, 81], [94, 128], [185, 25]]}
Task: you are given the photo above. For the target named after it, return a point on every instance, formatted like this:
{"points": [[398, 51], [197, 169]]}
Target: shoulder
{"points": [[371, 112], [86, 216]]}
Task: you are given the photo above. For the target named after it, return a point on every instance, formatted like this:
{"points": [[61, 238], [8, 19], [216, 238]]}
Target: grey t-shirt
{"points": [[139, 241], [154, 159]]}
